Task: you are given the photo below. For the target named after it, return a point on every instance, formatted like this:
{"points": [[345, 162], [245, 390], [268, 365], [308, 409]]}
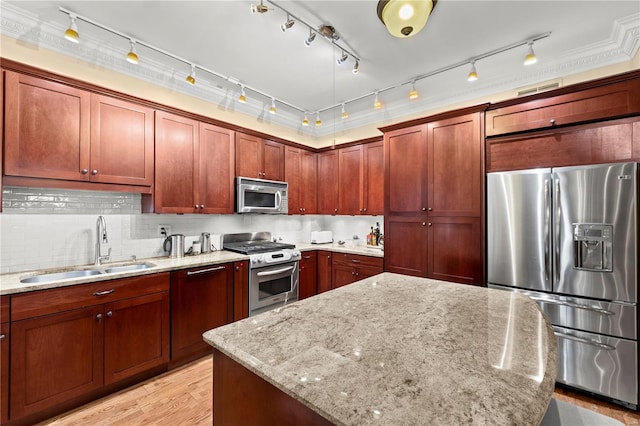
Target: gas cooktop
{"points": [[253, 243]]}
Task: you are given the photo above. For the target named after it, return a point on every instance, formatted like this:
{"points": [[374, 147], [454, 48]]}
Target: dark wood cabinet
{"points": [[201, 299], [405, 245], [5, 307], [328, 184], [54, 131], [373, 180], [597, 103], [259, 158], [349, 268], [240, 290], [70, 341], [308, 273], [350, 180], [324, 270], [215, 170], [301, 175], [454, 249]]}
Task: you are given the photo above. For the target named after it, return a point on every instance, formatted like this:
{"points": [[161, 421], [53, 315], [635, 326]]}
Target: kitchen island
{"points": [[392, 350]]}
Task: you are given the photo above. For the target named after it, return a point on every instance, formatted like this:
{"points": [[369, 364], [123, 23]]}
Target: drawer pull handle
{"points": [[355, 260], [552, 121], [204, 271], [585, 341], [306, 257], [104, 293]]}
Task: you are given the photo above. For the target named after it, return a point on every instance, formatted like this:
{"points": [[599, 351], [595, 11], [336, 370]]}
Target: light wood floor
{"points": [[184, 397]]}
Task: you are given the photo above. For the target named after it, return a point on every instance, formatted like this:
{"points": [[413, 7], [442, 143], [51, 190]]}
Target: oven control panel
{"points": [[274, 257]]}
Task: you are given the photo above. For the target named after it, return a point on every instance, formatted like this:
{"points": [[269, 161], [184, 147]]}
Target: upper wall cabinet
{"points": [[609, 101], [301, 173], [54, 131], [259, 158]]}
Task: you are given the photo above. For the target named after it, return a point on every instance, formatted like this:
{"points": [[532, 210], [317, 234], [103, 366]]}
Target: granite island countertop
{"points": [[400, 350]]}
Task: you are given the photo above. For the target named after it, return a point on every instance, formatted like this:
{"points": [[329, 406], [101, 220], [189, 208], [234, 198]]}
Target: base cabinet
{"points": [[324, 271], [349, 268], [62, 349], [5, 307], [240, 290], [201, 299], [308, 274]]}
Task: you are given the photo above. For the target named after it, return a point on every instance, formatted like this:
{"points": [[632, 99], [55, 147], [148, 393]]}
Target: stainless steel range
{"points": [[273, 269]]}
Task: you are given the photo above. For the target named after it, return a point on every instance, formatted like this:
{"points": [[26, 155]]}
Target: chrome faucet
{"points": [[101, 237]]}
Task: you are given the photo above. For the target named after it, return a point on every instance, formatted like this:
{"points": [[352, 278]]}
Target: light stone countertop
{"points": [[10, 283], [400, 350]]}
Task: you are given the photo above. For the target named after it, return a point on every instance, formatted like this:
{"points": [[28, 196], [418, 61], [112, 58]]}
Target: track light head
{"points": [[318, 121], [377, 104], [305, 120], [473, 74], [344, 114], [530, 59], [243, 97], [272, 108], [356, 67], [414, 94], [71, 33], [287, 24], [259, 8], [309, 40], [132, 56], [191, 78], [342, 58]]}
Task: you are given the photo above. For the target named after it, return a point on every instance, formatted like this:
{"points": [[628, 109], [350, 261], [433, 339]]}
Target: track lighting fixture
{"points": [[243, 97], [405, 18], [191, 78], [377, 104], [342, 58], [356, 67], [305, 120], [288, 24], [259, 8], [530, 59], [132, 56], [272, 108], [473, 75], [309, 40], [413, 94], [345, 114], [71, 33], [318, 121]]}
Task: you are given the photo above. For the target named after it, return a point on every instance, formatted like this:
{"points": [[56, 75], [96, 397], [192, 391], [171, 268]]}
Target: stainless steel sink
{"points": [[104, 269], [60, 276], [128, 268]]}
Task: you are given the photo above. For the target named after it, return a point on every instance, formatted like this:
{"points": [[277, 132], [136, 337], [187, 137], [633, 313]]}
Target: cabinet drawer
{"points": [[614, 100], [5, 307], [356, 260], [45, 302]]}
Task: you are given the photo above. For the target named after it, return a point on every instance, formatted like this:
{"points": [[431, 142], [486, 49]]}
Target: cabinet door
{"points": [[308, 281], [405, 245], [328, 182], [292, 175], [455, 166], [55, 358], [363, 272], [216, 170], [121, 142], [309, 182], [136, 335], [272, 160], [342, 275], [46, 129], [248, 156], [406, 171], [324, 271], [373, 182], [201, 299], [4, 371], [240, 290], [455, 250], [176, 145], [350, 180]]}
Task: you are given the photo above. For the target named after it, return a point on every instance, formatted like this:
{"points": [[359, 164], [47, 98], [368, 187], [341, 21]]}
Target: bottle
{"points": [[374, 240], [376, 233], [370, 237]]}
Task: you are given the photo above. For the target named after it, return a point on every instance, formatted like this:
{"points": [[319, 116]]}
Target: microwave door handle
{"points": [[278, 200], [277, 271]]}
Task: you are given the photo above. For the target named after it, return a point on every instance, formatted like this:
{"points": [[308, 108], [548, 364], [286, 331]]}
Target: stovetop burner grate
{"points": [[255, 247]]}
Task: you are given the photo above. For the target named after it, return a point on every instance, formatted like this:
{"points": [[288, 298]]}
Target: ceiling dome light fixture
{"points": [[473, 74], [377, 104], [288, 24], [305, 120], [259, 8], [530, 59], [71, 33], [356, 67], [243, 97], [345, 114], [272, 108], [132, 56], [318, 121], [342, 58], [191, 78], [404, 18], [309, 40], [413, 94]]}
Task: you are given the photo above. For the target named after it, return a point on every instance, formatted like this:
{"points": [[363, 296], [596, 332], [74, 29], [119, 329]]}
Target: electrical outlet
{"points": [[164, 230]]}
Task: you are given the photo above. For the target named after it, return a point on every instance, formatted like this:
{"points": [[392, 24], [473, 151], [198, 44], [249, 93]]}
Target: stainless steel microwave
{"points": [[261, 196]]}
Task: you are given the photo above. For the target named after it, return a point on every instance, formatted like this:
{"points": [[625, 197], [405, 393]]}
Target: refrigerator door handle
{"points": [[547, 236], [586, 341], [557, 231], [574, 305]]}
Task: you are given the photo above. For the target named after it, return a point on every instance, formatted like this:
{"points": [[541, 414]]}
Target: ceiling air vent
{"points": [[549, 85]]}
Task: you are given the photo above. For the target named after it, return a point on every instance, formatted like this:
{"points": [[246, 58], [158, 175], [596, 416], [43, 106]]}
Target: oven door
{"points": [[272, 286]]}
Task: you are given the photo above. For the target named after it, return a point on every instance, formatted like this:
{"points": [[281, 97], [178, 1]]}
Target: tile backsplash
{"points": [[51, 228]]}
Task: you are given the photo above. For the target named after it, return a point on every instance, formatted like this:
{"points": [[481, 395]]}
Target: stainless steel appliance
{"points": [[261, 196], [567, 237], [273, 269], [176, 245]]}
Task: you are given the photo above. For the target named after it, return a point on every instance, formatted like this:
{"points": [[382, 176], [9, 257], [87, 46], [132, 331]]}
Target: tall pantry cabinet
{"points": [[434, 180]]}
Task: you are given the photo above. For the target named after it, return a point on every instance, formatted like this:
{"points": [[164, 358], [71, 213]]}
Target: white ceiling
{"points": [[225, 37]]}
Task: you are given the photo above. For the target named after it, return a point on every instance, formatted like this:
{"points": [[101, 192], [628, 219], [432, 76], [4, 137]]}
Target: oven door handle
{"points": [[277, 271]]}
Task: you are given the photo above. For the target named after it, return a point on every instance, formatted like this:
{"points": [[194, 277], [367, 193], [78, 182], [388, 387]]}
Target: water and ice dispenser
{"points": [[592, 247]]}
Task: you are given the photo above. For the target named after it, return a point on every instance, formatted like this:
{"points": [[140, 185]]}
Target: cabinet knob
{"points": [[201, 206], [304, 210], [335, 210], [360, 210], [430, 209], [430, 224], [3, 336], [424, 224], [552, 121], [99, 316], [237, 268], [109, 314], [365, 210], [197, 206], [300, 208], [84, 171], [357, 274], [353, 272], [424, 209], [328, 257], [94, 172]]}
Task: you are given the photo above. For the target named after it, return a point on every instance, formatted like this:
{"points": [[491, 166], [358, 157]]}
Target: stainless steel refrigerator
{"points": [[568, 238]]}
